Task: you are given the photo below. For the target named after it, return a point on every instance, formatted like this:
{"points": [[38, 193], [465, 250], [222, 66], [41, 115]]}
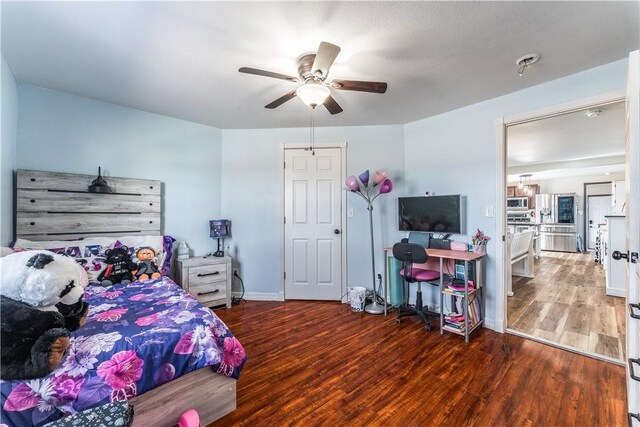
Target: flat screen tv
{"points": [[433, 214]]}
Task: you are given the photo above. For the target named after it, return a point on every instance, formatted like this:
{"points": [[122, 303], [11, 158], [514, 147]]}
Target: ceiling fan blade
{"points": [[332, 106], [265, 73], [373, 87], [325, 56], [284, 98]]}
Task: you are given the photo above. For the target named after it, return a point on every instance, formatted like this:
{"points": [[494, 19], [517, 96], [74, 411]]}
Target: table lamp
{"points": [[219, 229]]}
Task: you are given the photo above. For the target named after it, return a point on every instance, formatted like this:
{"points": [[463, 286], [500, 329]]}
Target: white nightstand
{"points": [[208, 279]]}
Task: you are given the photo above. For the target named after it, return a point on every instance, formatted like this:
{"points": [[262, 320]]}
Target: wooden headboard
{"points": [[58, 206]]}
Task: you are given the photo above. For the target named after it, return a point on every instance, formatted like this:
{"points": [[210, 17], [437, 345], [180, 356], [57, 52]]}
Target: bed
{"points": [[146, 342]]}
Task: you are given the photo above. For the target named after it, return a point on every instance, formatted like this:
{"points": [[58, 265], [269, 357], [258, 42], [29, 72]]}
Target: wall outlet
{"points": [[236, 272], [350, 213]]}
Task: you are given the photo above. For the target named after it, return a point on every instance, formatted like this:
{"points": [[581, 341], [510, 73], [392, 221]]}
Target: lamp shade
{"points": [[352, 183], [219, 228], [364, 178], [312, 94], [380, 176], [386, 186]]}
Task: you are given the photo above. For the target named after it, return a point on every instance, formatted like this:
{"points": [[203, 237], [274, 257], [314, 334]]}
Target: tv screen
{"points": [[434, 214]]}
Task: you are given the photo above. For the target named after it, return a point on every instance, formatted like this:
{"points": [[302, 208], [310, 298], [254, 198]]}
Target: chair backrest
{"points": [[409, 253]]}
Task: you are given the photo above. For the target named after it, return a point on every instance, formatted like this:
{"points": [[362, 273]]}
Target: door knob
{"points": [[336, 231], [617, 255]]}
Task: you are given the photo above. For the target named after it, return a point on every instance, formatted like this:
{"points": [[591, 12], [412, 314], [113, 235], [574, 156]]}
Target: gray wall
{"points": [[455, 152], [251, 198], [65, 133], [9, 115]]}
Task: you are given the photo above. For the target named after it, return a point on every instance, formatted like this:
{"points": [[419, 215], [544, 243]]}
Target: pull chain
{"points": [[312, 133]]}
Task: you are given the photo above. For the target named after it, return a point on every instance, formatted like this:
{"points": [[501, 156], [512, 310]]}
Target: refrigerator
{"points": [[556, 218]]}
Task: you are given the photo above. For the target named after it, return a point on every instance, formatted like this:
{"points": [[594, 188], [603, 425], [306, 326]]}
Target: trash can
{"points": [[356, 298]]}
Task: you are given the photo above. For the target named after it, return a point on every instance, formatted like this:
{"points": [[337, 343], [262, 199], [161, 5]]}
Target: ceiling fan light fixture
{"points": [[313, 94]]}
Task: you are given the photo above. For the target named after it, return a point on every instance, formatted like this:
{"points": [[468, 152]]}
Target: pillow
{"points": [[162, 246], [87, 252]]}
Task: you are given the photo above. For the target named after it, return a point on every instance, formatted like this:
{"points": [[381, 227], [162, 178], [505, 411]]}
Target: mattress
{"points": [[137, 337]]}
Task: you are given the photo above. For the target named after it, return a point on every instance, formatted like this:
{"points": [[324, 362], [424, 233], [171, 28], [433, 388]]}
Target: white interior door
{"points": [[632, 174], [313, 224], [599, 206]]}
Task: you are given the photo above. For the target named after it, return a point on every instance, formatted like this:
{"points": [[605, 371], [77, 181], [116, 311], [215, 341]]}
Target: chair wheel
{"points": [[427, 328], [398, 320]]}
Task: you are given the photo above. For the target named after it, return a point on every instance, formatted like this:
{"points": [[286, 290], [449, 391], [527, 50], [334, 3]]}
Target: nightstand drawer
{"points": [[209, 292], [207, 274]]}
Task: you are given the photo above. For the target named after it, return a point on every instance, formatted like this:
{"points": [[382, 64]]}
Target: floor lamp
{"points": [[360, 186]]}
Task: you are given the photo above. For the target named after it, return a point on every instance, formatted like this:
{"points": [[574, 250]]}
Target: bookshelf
{"points": [[466, 314]]}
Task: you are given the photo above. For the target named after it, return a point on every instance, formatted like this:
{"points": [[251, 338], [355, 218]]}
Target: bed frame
{"points": [[57, 206]]}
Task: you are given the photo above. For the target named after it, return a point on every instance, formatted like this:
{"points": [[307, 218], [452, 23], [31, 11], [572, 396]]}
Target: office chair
{"points": [[408, 254]]}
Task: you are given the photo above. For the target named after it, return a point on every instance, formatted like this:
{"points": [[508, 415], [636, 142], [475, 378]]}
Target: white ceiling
{"points": [[568, 145], [181, 58]]}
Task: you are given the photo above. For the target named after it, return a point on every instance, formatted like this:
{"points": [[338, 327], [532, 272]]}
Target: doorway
{"points": [[597, 208], [566, 301], [314, 238]]}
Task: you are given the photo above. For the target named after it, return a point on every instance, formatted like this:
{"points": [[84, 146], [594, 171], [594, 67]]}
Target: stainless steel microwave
{"points": [[517, 203]]}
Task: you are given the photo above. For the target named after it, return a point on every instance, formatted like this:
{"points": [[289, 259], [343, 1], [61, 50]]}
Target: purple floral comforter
{"points": [[136, 338]]}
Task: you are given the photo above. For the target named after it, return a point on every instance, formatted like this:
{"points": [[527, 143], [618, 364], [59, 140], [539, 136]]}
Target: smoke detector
{"points": [[527, 60]]}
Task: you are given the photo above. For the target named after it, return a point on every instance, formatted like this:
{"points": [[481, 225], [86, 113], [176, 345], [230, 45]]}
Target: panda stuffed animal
{"points": [[41, 302]]}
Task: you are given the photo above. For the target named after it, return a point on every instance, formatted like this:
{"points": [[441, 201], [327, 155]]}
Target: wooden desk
{"points": [[445, 254], [455, 255]]}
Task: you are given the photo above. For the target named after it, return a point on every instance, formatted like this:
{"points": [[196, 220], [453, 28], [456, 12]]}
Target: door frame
{"points": [[502, 123], [586, 209], [343, 211]]}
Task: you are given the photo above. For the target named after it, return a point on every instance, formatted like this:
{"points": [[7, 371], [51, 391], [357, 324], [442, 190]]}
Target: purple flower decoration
{"points": [[124, 369], [67, 387]]}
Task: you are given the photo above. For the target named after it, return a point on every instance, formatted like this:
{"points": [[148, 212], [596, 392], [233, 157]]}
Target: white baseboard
{"points": [[263, 296], [490, 323], [615, 292]]}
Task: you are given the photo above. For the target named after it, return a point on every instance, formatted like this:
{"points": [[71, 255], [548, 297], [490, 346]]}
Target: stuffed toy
{"points": [[147, 267], [41, 303], [119, 267]]}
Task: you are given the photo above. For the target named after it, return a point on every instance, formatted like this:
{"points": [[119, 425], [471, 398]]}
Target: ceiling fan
{"points": [[313, 69]]}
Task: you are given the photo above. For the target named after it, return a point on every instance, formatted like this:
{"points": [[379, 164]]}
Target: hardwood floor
{"points": [[317, 363], [566, 303]]}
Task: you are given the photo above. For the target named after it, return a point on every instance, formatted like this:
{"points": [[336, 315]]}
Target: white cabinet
{"points": [[614, 269], [618, 197]]}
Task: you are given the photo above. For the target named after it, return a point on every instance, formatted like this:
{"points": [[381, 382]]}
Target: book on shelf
{"points": [[456, 320], [457, 287]]}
